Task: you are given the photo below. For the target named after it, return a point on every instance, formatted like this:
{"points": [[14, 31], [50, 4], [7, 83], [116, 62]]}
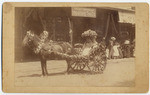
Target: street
{"points": [[118, 72]]}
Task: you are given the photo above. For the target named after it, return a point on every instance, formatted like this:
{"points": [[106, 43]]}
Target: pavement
{"points": [[118, 72]]}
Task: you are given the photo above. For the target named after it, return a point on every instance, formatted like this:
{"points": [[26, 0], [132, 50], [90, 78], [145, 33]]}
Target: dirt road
{"points": [[120, 72]]}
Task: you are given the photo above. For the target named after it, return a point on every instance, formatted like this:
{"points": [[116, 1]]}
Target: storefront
{"points": [[63, 24]]}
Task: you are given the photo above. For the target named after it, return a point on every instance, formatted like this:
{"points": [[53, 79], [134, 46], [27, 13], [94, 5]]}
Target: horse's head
{"points": [[28, 38]]}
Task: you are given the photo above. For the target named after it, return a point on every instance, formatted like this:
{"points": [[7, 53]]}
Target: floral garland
{"points": [[43, 37], [93, 52], [89, 33]]}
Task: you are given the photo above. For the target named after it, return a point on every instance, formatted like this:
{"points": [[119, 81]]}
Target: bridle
{"points": [[39, 46], [29, 42]]}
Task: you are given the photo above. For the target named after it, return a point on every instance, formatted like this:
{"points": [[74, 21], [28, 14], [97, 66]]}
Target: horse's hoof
{"points": [[44, 76]]}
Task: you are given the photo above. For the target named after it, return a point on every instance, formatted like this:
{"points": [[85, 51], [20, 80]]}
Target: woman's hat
{"points": [[113, 38], [89, 33], [127, 42]]}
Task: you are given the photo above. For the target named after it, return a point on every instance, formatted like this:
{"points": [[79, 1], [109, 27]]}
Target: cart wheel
{"points": [[97, 64], [77, 65]]}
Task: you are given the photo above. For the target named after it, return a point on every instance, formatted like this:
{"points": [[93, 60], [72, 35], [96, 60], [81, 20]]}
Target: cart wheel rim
{"points": [[97, 66], [77, 66]]}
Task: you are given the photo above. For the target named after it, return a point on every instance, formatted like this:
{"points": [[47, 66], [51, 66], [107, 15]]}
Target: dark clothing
{"points": [[110, 47], [120, 53], [126, 50], [111, 51]]}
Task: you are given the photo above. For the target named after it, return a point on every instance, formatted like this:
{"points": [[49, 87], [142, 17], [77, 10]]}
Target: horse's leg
{"points": [[68, 66], [45, 73], [45, 67], [42, 66]]}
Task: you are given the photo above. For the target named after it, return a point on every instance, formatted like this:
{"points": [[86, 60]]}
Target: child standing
{"points": [[116, 53]]}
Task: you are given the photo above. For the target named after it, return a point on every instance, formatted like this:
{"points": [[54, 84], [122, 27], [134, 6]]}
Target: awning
{"points": [[126, 17]]}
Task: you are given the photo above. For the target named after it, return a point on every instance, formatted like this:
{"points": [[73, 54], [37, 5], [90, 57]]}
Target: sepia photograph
{"points": [[75, 47]]}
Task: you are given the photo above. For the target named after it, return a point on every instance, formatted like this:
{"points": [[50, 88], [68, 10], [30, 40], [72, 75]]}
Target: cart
{"points": [[92, 55], [94, 59]]}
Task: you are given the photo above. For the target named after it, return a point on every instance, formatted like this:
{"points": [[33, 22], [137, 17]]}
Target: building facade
{"points": [[59, 21]]}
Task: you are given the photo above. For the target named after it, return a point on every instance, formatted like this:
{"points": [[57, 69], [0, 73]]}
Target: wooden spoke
{"points": [[76, 66], [97, 64]]}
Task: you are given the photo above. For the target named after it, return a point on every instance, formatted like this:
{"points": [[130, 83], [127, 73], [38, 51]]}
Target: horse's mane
{"points": [[36, 37], [36, 40]]}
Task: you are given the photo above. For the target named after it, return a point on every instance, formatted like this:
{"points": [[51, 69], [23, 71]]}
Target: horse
{"points": [[45, 49]]}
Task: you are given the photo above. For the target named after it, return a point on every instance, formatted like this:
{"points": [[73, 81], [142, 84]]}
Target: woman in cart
{"points": [[90, 41]]}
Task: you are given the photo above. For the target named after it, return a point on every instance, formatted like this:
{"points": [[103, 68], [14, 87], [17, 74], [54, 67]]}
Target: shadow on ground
{"points": [[62, 73]]}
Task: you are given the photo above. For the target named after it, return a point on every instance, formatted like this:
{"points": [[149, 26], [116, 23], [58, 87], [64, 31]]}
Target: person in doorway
{"points": [[133, 48], [126, 49], [110, 47], [116, 49]]}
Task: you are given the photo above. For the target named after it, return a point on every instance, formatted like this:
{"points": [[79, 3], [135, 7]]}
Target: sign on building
{"points": [[84, 12], [126, 17]]}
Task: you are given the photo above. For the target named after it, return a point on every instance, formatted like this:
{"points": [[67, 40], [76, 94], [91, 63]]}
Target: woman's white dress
{"points": [[116, 51]]}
